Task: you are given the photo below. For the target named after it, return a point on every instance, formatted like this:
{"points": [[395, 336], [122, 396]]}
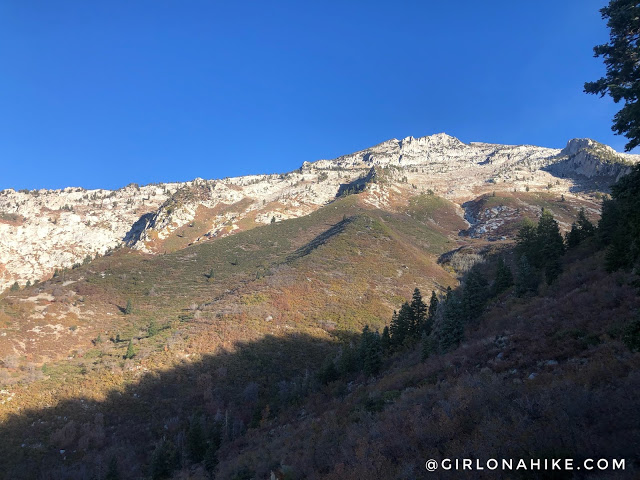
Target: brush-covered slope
{"points": [[542, 377], [321, 277], [226, 338]]}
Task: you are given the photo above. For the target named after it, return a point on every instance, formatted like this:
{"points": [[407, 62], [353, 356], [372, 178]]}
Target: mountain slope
{"points": [[218, 320], [46, 230]]}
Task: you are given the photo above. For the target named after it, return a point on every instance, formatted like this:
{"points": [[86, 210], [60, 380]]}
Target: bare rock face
{"points": [[587, 159], [42, 230], [48, 229]]}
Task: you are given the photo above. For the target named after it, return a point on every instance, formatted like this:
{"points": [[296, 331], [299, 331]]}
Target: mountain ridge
{"points": [[44, 230]]}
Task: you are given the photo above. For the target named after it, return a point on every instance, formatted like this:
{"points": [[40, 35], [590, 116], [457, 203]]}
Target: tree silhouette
{"points": [[620, 54]]}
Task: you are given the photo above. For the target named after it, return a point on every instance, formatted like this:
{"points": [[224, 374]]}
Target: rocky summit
{"points": [[42, 231]]}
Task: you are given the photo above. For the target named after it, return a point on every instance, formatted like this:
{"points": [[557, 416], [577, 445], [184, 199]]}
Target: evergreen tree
{"points": [[428, 346], [587, 229], [152, 329], [549, 238], [431, 314], [349, 361], [452, 328], [211, 460], [211, 455], [370, 351], [130, 352], [196, 442], [433, 305], [401, 325], [419, 314], [542, 245], [474, 294], [328, 372], [504, 277], [15, 287], [163, 460], [573, 236], [609, 221], [619, 227], [552, 269], [581, 229], [526, 278], [385, 340], [128, 310], [527, 241], [622, 81], [618, 254]]}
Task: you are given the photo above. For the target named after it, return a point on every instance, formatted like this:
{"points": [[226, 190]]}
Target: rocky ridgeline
{"points": [[42, 230], [224, 204], [590, 159], [48, 229]]}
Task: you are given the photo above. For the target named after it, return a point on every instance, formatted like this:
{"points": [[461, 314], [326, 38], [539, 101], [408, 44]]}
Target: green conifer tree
{"points": [[573, 236], [152, 329], [349, 361], [551, 246], [619, 227], [130, 352], [328, 372], [504, 277], [431, 313], [419, 315], [370, 351], [401, 326], [527, 241], [433, 304], [163, 460], [526, 278], [385, 340], [474, 294], [428, 346], [196, 441], [211, 455], [587, 229], [452, 329]]}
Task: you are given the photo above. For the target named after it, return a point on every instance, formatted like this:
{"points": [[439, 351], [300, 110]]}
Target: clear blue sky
{"points": [[102, 93]]}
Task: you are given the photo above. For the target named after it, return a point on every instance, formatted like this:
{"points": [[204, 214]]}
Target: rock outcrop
{"points": [[591, 163]]}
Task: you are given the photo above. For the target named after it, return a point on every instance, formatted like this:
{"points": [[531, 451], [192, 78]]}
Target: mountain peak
{"points": [[576, 144], [437, 139]]}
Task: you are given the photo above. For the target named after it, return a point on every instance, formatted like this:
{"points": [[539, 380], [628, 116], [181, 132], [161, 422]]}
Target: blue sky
{"points": [[104, 93]]}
